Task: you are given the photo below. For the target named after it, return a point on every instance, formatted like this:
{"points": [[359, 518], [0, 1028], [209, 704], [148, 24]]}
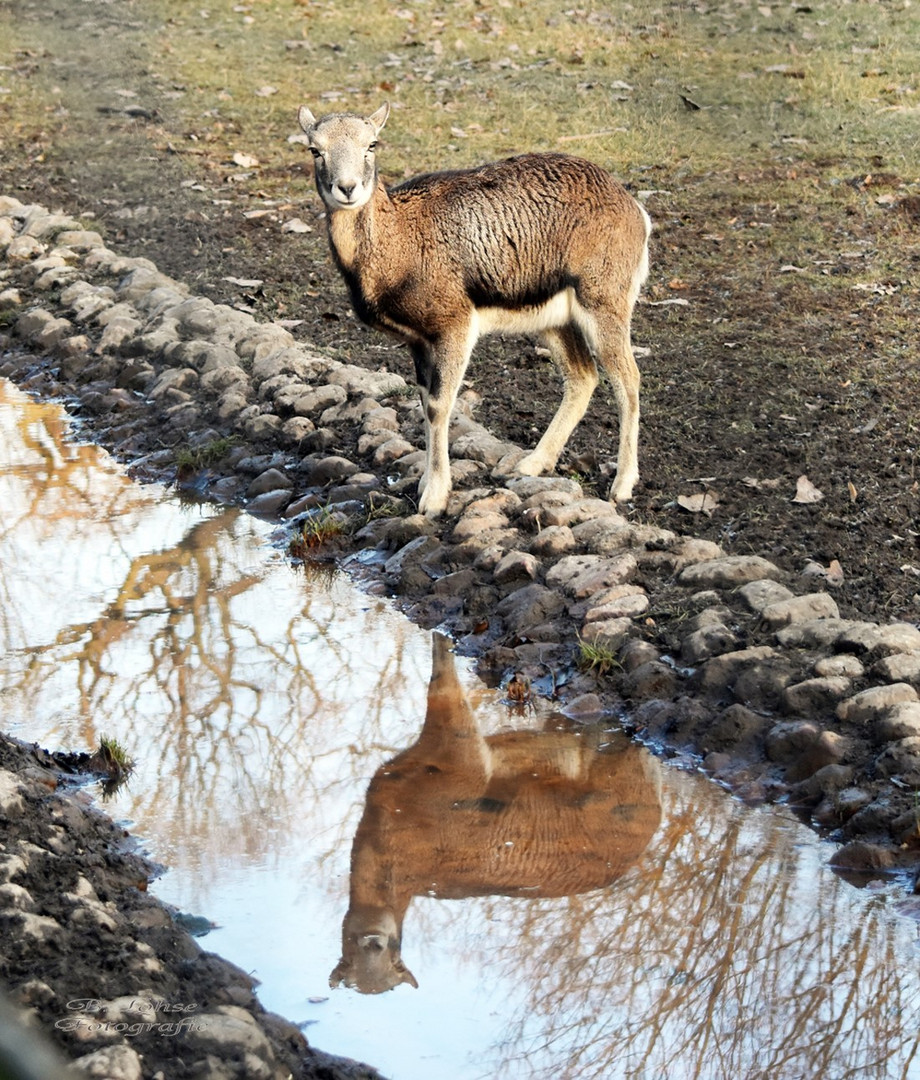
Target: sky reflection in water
{"points": [[259, 702]]}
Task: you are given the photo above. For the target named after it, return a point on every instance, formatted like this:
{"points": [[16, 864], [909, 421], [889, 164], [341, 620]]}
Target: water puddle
{"points": [[568, 908]]}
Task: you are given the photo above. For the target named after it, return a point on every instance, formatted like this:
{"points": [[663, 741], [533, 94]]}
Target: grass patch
{"points": [[317, 531], [597, 658], [206, 456]]}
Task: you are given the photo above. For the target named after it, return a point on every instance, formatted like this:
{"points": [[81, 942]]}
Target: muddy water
{"points": [[265, 707]]}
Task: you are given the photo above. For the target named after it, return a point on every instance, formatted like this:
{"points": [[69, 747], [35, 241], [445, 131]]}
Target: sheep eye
{"points": [[315, 152], [372, 147]]}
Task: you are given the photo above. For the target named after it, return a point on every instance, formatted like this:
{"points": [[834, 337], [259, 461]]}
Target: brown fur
{"points": [[540, 243], [525, 813]]}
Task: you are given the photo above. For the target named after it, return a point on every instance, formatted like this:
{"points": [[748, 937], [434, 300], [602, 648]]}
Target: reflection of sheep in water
{"points": [[527, 813]]}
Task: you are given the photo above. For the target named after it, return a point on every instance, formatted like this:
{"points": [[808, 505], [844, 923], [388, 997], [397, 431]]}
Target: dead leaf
{"points": [[832, 573], [703, 503], [296, 225], [245, 283], [851, 488], [806, 492]]}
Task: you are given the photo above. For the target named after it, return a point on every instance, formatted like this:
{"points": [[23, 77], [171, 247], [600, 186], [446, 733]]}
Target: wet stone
{"points": [[711, 640]]}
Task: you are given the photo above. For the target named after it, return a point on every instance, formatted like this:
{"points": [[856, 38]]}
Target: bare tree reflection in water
{"points": [[460, 814]]}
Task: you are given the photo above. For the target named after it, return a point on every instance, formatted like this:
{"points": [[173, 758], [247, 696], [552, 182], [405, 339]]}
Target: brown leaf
{"points": [[806, 492], [703, 503]]}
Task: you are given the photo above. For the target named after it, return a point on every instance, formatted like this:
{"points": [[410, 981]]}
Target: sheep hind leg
{"points": [[617, 360], [574, 360]]}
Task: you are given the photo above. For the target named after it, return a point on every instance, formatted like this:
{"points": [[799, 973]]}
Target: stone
{"points": [[900, 721], [553, 542], [881, 641], [516, 565], [901, 759], [720, 672], [526, 487], [471, 526], [392, 449], [814, 634], [843, 664], [799, 609], [858, 855], [727, 572], [709, 641], [529, 606], [818, 695], [628, 606], [636, 652], [580, 510], [899, 667], [582, 575], [325, 469], [270, 480], [650, 681], [263, 428], [869, 704], [607, 634], [318, 400], [735, 726], [120, 1062]]}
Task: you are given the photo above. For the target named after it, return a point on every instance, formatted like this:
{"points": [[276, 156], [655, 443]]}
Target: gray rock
{"points": [[762, 593], [711, 640], [516, 566], [720, 672], [844, 664], [799, 609], [727, 572], [270, 480], [263, 428], [318, 400], [322, 470], [818, 695], [901, 758], [583, 575], [120, 1062], [900, 721], [609, 634], [899, 667], [649, 681], [529, 606], [883, 640], [816, 634], [580, 510], [552, 542], [868, 705]]}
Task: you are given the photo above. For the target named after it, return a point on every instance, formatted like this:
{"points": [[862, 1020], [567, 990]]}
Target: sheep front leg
{"points": [[439, 369]]}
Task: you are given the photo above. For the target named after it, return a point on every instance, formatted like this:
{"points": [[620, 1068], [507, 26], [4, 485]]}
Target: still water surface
{"points": [[260, 701]]}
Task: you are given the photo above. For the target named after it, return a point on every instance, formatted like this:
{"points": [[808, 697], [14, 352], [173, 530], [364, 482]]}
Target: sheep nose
{"points": [[347, 190]]}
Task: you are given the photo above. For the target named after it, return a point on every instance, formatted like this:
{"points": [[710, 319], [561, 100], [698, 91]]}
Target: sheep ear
{"points": [[338, 973], [306, 119], [379, 118]]}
